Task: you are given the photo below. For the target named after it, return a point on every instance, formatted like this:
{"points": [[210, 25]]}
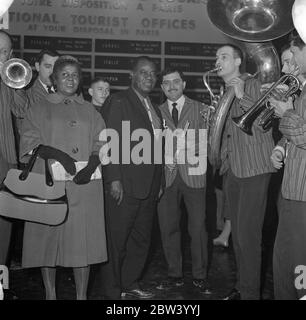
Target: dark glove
{"points": [[84, 175], [47, 152]]}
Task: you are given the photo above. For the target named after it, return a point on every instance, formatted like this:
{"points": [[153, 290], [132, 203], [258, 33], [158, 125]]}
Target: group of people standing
{"points": [[110, 217]]}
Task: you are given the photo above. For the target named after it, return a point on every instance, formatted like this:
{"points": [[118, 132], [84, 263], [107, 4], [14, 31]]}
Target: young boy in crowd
{"points": [[99, 90]]}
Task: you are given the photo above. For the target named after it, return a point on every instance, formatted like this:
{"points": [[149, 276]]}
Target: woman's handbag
{"points": [[32, 196]]}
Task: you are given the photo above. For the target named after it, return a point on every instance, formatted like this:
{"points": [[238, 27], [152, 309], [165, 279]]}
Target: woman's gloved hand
{"points": [[84, 175], [47, 152]]}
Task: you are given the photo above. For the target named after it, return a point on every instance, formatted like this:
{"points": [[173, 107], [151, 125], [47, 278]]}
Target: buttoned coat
{"points": [[73, 126]]}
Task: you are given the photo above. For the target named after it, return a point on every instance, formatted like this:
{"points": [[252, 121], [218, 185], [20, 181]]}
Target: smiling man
{"points": [[132, 190], [178, 110]]}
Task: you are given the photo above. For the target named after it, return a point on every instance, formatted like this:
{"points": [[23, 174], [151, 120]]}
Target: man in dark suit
{"points": [[247, 168], [132, 189], [184, 180], [42, 85]]}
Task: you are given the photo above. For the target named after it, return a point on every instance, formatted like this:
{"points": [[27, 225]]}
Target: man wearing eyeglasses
{"points": [[185, 180], [132, 189]]}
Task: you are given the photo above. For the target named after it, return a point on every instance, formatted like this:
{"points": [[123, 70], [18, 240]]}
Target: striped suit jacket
{"points": [[246, 155], [194, 175], [293, 127], [11, 101]]}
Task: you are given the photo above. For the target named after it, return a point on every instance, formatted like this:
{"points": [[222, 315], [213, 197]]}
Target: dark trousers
{"points": [[5, 225], [128, 227], [169, 216], [247, 199], [289, 251]]}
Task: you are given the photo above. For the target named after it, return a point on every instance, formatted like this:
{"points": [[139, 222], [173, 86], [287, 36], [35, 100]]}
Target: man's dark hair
{"points": [[51, 53], [296, 40], [169, 71], [237, 51], [98, 79], [137, 60]]}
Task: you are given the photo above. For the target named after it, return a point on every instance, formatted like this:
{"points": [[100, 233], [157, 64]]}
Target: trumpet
{"points": [[245, 122], [16, 73]]}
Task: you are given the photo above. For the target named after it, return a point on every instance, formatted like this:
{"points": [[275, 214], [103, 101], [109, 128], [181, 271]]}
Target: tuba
{"points": [[16, 73], [255, 23]]}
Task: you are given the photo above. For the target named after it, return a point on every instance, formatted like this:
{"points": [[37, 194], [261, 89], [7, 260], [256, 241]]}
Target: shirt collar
{"points": [[44, 85], [140, 96], [180, 103], [58, 98]]}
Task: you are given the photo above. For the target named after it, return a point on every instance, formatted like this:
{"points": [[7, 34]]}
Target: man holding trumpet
{"points": [[289, 249], [247, 169], [14, 101], [288, 67]]}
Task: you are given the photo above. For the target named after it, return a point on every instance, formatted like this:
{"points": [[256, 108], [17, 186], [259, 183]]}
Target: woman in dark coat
{"points": [[66, 128]]}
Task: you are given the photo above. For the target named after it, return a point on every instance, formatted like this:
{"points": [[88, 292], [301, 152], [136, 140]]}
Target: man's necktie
{"points": [[49, 89], [175, 113], [156, 124]]}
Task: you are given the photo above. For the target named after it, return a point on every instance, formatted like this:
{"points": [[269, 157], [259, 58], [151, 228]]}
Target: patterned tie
{"points": [[49, 89], [175, 113], [156, 124]]}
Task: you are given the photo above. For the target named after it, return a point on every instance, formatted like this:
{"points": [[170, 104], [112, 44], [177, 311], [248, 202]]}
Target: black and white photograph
{"points": [[152, 153]]}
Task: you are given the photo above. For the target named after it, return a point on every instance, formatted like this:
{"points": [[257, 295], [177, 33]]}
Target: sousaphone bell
{"points": [[255, 23]]}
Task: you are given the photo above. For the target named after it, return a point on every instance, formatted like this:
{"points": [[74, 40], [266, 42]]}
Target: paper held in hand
{"points": [[60, 174]]}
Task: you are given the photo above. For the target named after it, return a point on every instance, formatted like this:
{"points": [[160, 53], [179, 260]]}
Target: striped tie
{"points": [[156, 124]]}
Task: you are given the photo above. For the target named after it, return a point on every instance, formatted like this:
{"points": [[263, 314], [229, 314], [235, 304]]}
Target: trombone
{"points": [[245, 122]]}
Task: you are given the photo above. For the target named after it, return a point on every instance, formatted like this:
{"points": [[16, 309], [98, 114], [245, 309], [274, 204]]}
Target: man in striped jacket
{"points": [[289, 257], [11, 102], [247, 168], [184, 180]]}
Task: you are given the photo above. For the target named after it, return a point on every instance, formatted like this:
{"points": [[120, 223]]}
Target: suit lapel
{"points": [[135, 101], [164, 108], [184, 113]]}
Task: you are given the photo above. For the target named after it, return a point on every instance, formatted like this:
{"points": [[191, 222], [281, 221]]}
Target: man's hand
{"points": [[238, 85], [277, 159], [116, 191], [280, 107]]}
